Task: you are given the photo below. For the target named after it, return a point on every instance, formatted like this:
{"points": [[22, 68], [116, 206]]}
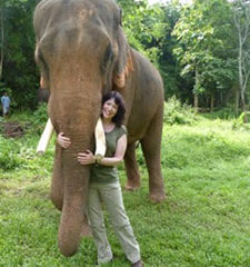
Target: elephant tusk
{"points": [[100, 139], [45, 138]]}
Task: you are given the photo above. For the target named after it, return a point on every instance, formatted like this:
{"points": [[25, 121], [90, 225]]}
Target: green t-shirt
{"points": [[108, 174]]}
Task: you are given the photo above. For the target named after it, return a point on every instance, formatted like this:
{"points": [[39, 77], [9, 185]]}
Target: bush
{"points": [[176, 113], [9, 154], [239, 123], [40, 118], [227, 113]]}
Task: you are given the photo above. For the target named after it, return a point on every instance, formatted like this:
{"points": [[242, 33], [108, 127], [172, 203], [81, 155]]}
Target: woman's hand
{"points": [[86, 158], [63, 141]]}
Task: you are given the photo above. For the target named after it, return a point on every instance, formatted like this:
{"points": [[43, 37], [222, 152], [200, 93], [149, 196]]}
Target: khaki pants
{"points": [[111, 196]]}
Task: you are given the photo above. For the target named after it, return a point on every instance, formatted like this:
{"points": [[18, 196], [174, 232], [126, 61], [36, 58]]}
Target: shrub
{"points": [[239, 123], [176, 113], [9, 154], [40, 118]]}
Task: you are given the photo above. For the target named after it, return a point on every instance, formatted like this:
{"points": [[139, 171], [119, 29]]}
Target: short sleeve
{"points": [[122, 131]]}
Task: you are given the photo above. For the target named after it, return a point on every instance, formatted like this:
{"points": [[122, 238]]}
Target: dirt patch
{"points": [[11, 129]]}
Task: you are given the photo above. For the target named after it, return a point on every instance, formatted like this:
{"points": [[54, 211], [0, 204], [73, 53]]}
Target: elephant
{"points": [[83, 53], [42, 95]]}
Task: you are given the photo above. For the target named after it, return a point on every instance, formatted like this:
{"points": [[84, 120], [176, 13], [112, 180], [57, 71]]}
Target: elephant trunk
{"points": [[74, 205], [75, 116]]}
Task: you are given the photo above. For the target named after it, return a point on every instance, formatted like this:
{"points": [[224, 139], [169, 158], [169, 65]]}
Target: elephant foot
{"points": [[132, 186], [157, 196]]}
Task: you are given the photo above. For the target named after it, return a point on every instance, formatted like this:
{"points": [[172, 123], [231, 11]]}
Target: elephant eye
{"points": [[107, 58]]}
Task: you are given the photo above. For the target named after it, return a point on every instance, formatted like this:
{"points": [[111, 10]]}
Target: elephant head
{"points": [[82, 53]]}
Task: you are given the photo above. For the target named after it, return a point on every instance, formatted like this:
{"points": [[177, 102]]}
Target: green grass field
{"points": [[204, 221]]}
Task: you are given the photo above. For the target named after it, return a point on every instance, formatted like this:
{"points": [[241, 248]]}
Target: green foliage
{"points": [[240, 124], [169, 68], [227, 113], [40, 117], [13, 154], [144, 26], [241, 18], [9, 154], [3, 89], [20, 73], [176, 113], [203, 34]]}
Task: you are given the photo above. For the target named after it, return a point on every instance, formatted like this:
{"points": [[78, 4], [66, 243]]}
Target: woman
{"points": [[104, 183]]}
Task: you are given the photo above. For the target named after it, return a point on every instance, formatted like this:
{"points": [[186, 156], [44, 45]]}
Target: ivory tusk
{"points": [[45, 138], [100, 139]]}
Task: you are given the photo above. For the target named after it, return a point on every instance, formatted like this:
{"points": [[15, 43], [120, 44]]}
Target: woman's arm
{"points": [[63, 141], [119, 153], [88, 158]]}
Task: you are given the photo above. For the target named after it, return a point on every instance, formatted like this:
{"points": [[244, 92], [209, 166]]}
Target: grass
{"points": [[204, 221]]}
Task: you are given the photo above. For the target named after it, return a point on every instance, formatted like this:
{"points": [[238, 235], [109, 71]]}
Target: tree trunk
{"points": [[196, 101], [237, 100], [242, 23], [212, 102], [244, 109], [197, 85]]}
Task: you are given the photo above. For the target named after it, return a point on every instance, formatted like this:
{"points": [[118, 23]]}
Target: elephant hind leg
{"points": [[56, 193], [132, 169], [151, 147]]}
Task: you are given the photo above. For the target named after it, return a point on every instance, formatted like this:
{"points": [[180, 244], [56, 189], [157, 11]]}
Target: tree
{"points": [[241, 11], [144, 27], [169, 66], [1, 39], [201, 32], [2, 43], [18, 68]]}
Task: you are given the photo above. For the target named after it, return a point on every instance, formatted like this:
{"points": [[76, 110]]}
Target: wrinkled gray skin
{"points": [[82, 53]]}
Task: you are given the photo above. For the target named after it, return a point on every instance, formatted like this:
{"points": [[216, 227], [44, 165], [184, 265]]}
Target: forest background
{"points": [[201, 49]]}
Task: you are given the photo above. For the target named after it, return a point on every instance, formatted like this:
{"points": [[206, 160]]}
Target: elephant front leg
{"points": [[132, 169], [86, 231], [151, 146], [56, 193]]}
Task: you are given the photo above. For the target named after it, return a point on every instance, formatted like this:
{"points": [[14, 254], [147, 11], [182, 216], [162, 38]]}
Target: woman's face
{"points": [[109, 109]]}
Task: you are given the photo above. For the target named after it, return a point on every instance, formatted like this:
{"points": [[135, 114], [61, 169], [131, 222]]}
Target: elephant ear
{"points": [[124, 64], [44, 72]]}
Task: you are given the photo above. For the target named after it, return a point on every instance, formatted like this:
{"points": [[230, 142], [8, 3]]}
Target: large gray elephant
{"points": [[83, 53]]}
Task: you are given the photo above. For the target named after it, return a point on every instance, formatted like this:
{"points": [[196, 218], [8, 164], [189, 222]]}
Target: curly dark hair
{"points": [[119, 101]]}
